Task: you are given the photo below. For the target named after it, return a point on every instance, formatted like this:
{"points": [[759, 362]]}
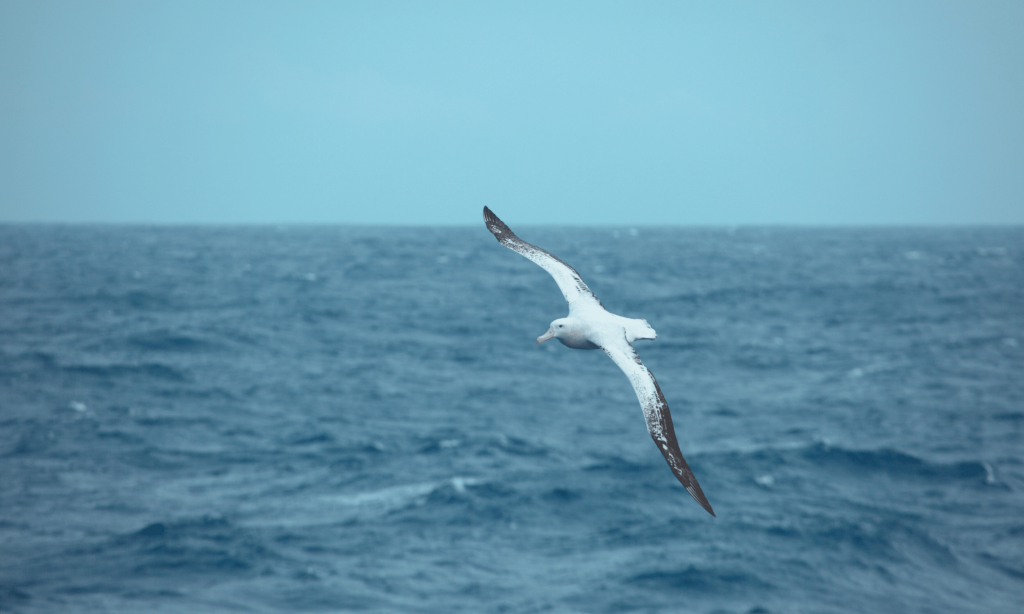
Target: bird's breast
{"points": [[578, 343]]}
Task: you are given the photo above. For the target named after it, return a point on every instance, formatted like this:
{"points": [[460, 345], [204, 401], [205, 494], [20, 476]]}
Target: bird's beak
{"points": [[548, 335]]}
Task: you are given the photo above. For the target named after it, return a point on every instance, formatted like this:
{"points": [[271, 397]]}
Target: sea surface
{"points": [[358, 419]]}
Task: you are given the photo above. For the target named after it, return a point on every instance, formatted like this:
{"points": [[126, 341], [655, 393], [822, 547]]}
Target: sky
{"points": [[589, 113]]}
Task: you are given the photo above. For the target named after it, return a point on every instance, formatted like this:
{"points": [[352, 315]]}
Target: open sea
{"points": [[358, 419]]}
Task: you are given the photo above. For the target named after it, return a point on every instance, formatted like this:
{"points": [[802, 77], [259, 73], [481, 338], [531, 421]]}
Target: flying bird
{"points": [[590, 326]]}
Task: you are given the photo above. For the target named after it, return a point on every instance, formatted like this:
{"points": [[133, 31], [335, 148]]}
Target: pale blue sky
{"points": [[622, 113]]}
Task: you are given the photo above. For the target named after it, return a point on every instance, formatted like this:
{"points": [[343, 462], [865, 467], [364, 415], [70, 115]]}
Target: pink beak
{"points": [[548, 335]]}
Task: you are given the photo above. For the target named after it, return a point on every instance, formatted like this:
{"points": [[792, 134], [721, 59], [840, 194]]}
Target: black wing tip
{"points": [[698, 496], [689, 482], [498, 228]]}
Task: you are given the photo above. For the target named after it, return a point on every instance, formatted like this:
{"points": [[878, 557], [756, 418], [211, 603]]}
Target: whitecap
{"points": [[990, 473]]}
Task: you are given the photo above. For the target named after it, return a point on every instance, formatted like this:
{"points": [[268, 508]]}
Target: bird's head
{"points": [[560, 329]]}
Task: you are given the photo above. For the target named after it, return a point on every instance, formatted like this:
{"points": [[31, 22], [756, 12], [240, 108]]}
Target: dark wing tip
{"points": [[496, 226], [684, 474], [699, 497], [669, 446]]}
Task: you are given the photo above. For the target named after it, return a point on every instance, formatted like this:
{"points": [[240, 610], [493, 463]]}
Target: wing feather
{"points": [[576, 292], [657, 415]]}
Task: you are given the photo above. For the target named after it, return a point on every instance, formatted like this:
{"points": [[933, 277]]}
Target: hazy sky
{"points": [[550, 113]]}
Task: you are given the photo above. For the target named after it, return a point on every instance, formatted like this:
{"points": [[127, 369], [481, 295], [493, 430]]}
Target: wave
{"points": [[27, 362], [36, 361], [142, 300], [153, 370], [894, 462], [887, 538], [694, 579], [889, 461], [419, 502], [617, 464], [204, 545], [169, 341]]}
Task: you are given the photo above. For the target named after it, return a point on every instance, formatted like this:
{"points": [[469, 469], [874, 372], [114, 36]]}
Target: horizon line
{"points": [[192, 224]]}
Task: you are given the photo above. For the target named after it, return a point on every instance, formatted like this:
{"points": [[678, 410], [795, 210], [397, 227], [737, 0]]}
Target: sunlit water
{"points": [[358, 419]]}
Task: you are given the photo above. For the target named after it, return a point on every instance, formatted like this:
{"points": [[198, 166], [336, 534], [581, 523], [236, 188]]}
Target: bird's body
{"points": [[589, 326]]}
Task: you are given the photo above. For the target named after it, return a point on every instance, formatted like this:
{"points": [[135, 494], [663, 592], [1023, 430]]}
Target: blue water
{"points": [[358, 420]]}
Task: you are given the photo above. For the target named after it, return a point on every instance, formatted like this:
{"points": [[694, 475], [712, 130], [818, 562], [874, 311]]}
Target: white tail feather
{"points": [[638, 329]]}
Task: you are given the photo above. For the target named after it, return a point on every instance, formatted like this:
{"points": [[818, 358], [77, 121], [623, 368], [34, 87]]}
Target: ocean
{"points": [[358, 419]]}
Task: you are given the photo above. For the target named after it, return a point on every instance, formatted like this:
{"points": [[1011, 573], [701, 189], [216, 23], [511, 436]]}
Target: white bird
{"points": [[590, 326]]}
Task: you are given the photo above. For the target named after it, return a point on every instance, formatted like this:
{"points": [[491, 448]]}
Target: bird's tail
{"points": [[639, 329]]}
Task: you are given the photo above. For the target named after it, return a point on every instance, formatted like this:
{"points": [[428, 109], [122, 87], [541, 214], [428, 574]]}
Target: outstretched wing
{"points": [[576, 292], [659, 420]]}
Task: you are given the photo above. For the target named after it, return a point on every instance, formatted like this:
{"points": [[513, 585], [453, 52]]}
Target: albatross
{"points": [[589, 326]]}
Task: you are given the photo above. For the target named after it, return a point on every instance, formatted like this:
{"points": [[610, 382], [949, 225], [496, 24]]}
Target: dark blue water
{"points": [[358, 419]]}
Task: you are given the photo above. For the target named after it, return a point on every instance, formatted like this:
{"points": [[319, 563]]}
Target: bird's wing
{"points": [[659, 420], [576, 292]]}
